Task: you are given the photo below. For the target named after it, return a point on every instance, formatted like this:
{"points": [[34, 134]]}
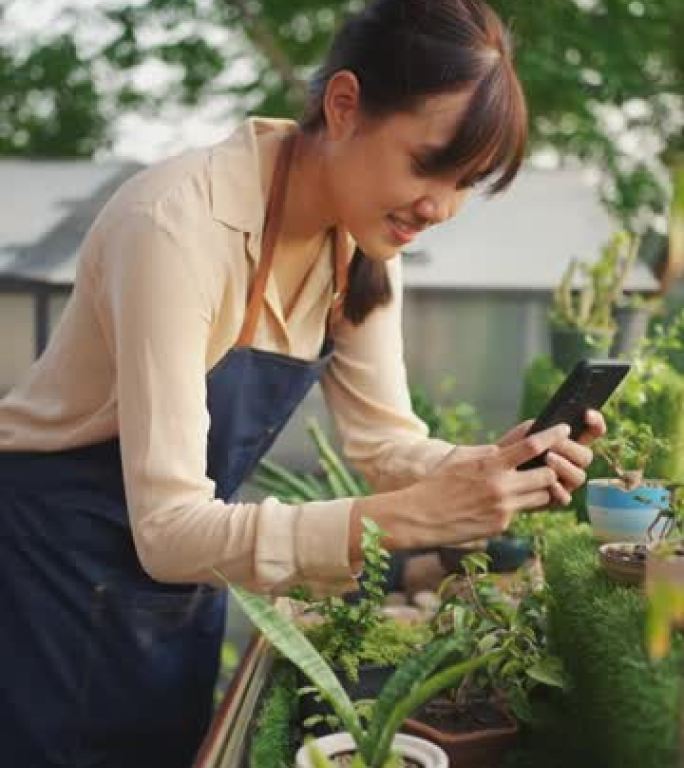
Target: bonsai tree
{"points": [[628, 449], [637, 441], [419, 678]]}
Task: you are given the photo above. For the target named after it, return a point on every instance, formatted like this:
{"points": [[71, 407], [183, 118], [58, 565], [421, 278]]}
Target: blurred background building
{"points": [[477, 288]]}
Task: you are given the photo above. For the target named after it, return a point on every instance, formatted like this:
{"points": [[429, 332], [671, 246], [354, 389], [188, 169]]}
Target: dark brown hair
{"points": [[404, 50]]}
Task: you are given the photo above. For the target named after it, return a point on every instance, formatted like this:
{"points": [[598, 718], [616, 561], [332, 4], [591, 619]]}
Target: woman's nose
{"points": [[434, 208]]}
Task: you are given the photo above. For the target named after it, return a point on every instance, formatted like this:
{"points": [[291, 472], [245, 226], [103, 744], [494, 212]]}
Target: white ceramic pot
{"points": [[425, 753], [618, 515]]}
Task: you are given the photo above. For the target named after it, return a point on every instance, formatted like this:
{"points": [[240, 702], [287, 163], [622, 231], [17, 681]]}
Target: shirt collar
{"points": [[237, 197]]}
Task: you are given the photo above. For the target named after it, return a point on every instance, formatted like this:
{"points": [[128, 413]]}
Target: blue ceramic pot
{"points": [[620, 515], [508, 553]]}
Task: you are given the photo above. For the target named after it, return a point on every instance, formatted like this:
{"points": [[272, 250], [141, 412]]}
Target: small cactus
{"points": [[590, 307]]}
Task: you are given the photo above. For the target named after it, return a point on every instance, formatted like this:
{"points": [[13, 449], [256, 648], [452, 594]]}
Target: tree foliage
{"points": [[604, 78]]}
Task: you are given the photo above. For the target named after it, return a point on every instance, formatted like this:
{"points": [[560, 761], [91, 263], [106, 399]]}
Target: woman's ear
{"points": [[342, 105]]}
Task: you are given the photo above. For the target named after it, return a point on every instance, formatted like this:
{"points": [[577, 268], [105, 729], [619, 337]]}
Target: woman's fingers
{"points": [[534, 500], [532, 446], [595, 427], [575, 453], [515, 434], [569, 473], [560, 495], [533, 480]]}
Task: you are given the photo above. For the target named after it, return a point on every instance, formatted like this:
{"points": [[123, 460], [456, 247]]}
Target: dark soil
{"points": [[632, 553], [344, 760], [450, 717], [627, 553]]}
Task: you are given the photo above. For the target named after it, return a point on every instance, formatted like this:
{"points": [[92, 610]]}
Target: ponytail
{"points": [[368, 287]]}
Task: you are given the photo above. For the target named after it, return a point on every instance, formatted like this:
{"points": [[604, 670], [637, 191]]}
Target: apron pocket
{"points": [[149, 673]]}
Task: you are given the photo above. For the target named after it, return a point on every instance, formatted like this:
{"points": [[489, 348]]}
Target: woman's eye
{"points": [[418, 167]]}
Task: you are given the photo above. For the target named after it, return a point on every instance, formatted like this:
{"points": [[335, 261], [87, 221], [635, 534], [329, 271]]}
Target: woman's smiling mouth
{"points": [[401, 231]]}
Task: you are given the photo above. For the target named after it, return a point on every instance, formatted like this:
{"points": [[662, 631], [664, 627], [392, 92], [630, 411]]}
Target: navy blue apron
{"points": [[101, 666]]}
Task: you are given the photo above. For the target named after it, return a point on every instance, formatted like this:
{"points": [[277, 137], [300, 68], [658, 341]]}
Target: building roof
{"points": [[50, 207], [522, 239]]}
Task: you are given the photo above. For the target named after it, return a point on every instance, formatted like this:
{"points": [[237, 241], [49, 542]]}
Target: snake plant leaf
{"points": [[411, 673], [272, 477], [340, 475], [419, 695], [286, 637]]}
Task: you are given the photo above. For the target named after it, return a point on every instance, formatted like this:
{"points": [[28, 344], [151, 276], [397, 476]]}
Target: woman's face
{"points": [[378, 191]]}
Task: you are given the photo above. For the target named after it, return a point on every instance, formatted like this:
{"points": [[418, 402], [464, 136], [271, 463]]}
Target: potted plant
{"points": [[624, 508], [419, 678], [631, 311], [506, 553], [625, 562], [476, 722], [362, 644], [582, 322]]}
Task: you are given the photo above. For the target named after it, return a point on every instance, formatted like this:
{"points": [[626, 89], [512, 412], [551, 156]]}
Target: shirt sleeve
{"points": [[366, 389], [158, 319]]}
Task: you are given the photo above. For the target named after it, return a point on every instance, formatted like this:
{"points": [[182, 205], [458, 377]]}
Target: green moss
{"points": [[622, 708], [272, 744], [387, 643]]}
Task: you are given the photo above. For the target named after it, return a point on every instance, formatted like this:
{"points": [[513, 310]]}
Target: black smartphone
{"points": [[588, 386]]}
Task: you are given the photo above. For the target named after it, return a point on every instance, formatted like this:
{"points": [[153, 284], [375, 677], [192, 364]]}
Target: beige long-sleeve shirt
{"points": [[159, 298]]}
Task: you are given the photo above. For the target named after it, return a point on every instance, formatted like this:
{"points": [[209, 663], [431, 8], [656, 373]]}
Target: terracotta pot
{"points": [[620, 564], [475, 749]]}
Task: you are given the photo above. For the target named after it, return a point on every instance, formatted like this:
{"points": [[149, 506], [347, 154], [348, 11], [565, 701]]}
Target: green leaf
{"points": [[547, 671], [286, 637], [487, 643], [406, 678], [418, 696], [273, 478], [337, 472]]}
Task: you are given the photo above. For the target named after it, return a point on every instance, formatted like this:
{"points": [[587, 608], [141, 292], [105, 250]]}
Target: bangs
{"points": [[489, 143]]}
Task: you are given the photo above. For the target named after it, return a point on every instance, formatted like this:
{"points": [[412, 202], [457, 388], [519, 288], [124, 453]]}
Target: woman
{"points": [[213, 290]]}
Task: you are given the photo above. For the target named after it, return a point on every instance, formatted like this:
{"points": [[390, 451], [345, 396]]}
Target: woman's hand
{"points": [[569, 459], [475, 494], [475, 491]]}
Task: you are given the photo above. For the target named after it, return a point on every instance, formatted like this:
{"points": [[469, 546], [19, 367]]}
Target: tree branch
{"points": [[268, 44]]}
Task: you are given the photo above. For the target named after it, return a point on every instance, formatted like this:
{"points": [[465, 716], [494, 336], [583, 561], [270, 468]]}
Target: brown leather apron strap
{"points": [[272, 222], [341, 270]]}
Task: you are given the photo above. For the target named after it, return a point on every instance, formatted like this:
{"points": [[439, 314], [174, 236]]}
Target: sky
{"points": [[136, 136], [147, 138]]}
